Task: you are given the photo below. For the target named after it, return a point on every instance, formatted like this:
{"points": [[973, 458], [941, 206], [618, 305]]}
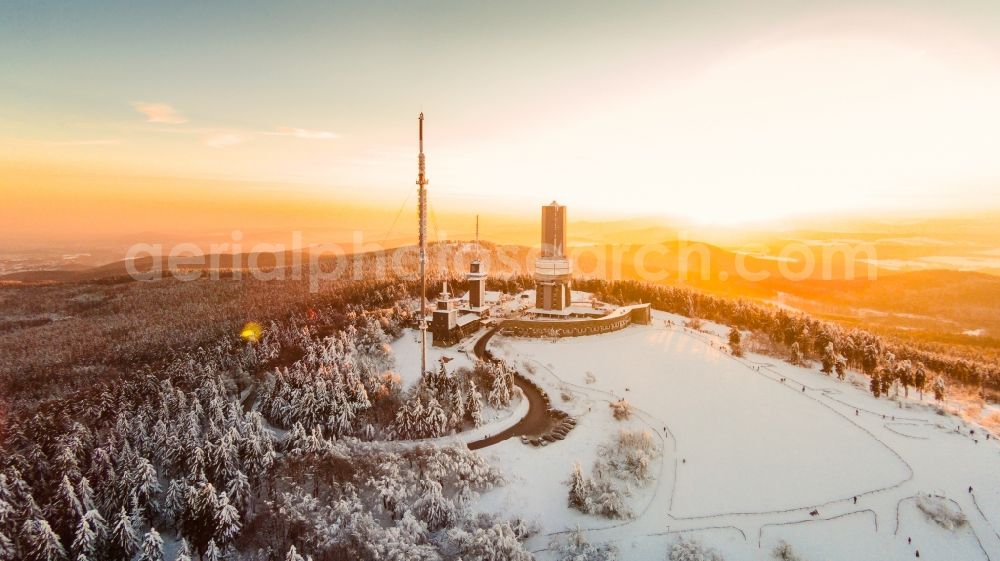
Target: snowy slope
{"points": [[747, 456]]}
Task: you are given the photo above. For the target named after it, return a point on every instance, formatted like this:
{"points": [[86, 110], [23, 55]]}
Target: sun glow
{"points": [[832, 111]]}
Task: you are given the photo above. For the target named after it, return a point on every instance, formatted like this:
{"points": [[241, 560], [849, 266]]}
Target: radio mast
{"points": [[422, 216]]}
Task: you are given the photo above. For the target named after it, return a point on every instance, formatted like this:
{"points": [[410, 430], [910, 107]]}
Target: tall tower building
{"points": [[552, 269], [476, 278], [553, 230]]}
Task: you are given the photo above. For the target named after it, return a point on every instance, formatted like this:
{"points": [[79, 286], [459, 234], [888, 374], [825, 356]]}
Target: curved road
{"points": [[536, 422]]}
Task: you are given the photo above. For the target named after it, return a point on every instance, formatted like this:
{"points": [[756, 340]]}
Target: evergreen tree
{"points": [[40, 542], [212, 552], [841, 367], [939, 388], [829, 359], [500, 393], [869, 360], [227, 522], [436, 420], [904, 373], [876, 384], [89, 534], [796, 357], [7, 549], [85, 494], [175, 503], [920, 379], [152, 547], [433, 507], [239, 492], [579, 489], [293, 555], [183, 552], [65, 510], [735, 341], [123, 540], [887, 380], [201, 516], [474, 405]]}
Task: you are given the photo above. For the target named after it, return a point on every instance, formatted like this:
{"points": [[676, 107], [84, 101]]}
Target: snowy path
{"points": [[533, 421], [809, 443]]}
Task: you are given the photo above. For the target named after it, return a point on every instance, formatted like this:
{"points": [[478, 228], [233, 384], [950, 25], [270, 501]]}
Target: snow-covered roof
{"points": [[570, 311], [466, 319]]}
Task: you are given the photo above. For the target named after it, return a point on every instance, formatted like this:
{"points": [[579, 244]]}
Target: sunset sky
{"points": [[124, 117]]}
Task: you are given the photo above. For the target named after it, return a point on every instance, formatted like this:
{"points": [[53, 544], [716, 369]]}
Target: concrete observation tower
{"points": [[553, 269]]}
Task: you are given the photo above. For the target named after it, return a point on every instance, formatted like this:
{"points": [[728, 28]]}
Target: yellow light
{"points": [[252, 332]]}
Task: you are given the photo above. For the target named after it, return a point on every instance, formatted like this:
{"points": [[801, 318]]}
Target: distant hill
{"points": [[948, 301]]}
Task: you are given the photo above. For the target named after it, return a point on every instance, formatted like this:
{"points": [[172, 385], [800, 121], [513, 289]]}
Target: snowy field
{"points": [[406, 350], [747, 456]]}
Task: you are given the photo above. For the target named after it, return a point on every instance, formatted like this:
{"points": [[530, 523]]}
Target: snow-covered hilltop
{"points": [[751, 453]]}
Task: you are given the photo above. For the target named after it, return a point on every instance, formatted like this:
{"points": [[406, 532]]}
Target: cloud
{"points": [[159, 113], [225, 139], [95, 142], [305, 133]]}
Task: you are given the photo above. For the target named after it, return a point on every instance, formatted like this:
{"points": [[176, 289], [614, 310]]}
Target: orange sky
{"points": [[714, 113]]}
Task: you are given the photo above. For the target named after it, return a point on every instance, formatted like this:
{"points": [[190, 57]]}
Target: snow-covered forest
{"points": [[138, 422], [269, 448]]}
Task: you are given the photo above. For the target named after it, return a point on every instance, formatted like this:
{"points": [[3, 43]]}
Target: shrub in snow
{"points": [[941, 512], [597, 497], [630, 458], [609, 501], [621, 409], [784, 552], [575, 547], [496, 543], [686, 549]]}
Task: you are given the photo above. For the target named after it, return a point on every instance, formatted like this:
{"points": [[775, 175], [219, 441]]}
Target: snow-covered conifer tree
{"points": [[227, 521], [152, 547], [939, 388], [212, 552], [89, 534], [183, 552], [433, 508], [123, 539], [829, 359], [474, 405], [579, 489], [40, 542], [293, 555]]}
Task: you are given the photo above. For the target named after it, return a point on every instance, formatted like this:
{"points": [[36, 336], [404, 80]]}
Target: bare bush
{"points": [[621, 409], [942, 512], [574, 546], [784, 552], [689, 549]]}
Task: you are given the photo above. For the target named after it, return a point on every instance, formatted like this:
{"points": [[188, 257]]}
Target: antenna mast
{"points": [[477, 237], [422, 216]]}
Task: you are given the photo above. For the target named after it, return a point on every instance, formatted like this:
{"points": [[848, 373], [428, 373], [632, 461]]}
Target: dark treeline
{"points": [[863, 350]]}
